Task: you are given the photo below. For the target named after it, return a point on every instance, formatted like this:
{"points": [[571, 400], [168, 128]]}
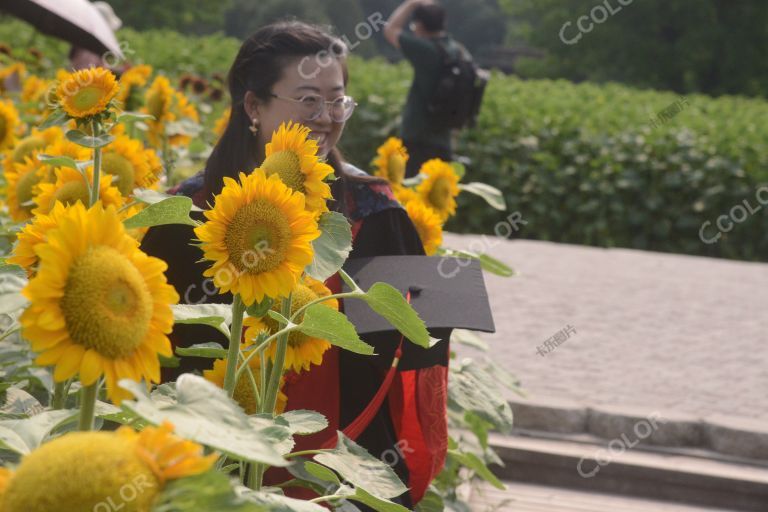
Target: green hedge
{"points": [[581, 163], [585, 164]]}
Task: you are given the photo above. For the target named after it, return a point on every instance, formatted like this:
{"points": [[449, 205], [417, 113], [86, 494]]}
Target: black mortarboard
{"points": [[447, 293]]}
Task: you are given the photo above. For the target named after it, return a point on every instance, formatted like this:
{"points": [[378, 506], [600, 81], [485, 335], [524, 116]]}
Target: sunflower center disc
{"points": [[70, 192], [25, 147], [156, 105], [287, 165], [396, 167], [107, 305], [24, 188], [117, 165], [87, 97], [440, 193], [258, 237]]}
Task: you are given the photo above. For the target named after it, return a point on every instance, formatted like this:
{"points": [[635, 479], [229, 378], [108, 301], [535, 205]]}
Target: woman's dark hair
{"points": [[258, 66], [432, 16]]}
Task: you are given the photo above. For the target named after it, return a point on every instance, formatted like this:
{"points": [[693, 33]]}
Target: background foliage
{"points": [[582, 163]]}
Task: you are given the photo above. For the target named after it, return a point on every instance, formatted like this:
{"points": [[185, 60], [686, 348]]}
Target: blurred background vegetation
{"points": [[654, 123]]}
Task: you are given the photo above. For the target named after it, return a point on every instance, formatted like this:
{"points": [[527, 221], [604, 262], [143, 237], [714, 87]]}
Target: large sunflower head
{"points": [[126, 160], [428, 224], [89, 471], [258, 236], [303, 350], [292, 155], [405, 195], [440, 187], [98, 304], [22, 184], [9, 121], [87, 92], [390, 161], [70, 188], [244, 393]]}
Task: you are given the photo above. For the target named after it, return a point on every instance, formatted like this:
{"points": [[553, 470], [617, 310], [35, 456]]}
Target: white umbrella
{"points": [[76, 21]]}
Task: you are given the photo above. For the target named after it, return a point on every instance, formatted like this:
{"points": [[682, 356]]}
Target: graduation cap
{"points": [[448, 293]]}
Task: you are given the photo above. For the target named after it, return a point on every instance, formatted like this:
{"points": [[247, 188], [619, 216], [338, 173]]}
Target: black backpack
{"points": [[459, 92]]}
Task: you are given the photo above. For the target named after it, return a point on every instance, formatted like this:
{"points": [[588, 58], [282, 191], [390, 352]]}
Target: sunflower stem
{"points": [[59, 395], [325, 298], [88, 406], [96, 129], [277, 367], [235, 334]]}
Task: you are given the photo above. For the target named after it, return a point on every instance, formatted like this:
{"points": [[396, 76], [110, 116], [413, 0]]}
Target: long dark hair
{"points": [[258, 66]]}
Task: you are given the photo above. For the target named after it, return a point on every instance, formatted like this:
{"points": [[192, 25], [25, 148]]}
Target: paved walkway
{"points": [[660, 331]]}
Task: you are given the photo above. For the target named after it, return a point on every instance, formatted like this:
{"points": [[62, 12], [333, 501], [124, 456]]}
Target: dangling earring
{"points": [[254, 126]]}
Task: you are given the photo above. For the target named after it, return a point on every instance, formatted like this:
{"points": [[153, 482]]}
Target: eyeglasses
{"points": [[313, 106]]}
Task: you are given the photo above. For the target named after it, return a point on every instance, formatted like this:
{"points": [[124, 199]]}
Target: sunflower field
{"points": [[86, 422]]}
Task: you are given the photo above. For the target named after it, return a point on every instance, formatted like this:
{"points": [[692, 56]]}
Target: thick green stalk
{"points": [[59, 395], [273, 387], [96, 129], [235, 334], [88, 406]]}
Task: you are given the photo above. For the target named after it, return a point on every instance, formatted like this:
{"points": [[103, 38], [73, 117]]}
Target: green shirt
{"points": [[426, 60]]}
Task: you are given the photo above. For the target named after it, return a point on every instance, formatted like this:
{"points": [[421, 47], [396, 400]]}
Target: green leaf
{"points": [[361, 469], [57, 118], [218, 316], [472, 388], [474, 463], [380, 504], [211, 350], [133, 116], [210, 491], [332, 247], [328, 324], [88, 141], [259, 309], [59, 161], [431, 502], [494, 266], [304, 422], [274, 502], [148, 196], [173, 210], [321, 472], [202, 412], [459, 169], [389, 303], [11, 299], [492, 195], [23, 436]]}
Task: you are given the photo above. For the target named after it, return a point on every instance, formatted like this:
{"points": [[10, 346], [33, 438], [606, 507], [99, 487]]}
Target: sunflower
{"points": [[390, 161], [87, 92], [33, 93], [22, 183], [133, 78], [9, 122], [440, 187], [5, 479], [33, 234], [244, 394], [259, 237], [98, 304], [405, 195], [292, 155], [121, 470], [182, 108], [221, 124], [126, 160], [33, 143], [63, 147], [158, 98], [427, 224], [303, 350], [70, 187]]}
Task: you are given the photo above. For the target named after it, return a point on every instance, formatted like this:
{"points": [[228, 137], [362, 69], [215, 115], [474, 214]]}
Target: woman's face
{"points": [[301, 77]]}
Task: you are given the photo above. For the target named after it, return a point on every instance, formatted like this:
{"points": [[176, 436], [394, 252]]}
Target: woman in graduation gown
{"points": [[291, 71]]}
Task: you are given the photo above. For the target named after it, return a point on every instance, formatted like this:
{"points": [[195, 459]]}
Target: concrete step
{"points": [[536, 498], [588, 465]]}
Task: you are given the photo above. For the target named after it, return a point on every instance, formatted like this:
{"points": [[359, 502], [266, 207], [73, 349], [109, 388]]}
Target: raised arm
{"points": [[399, 18]]}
